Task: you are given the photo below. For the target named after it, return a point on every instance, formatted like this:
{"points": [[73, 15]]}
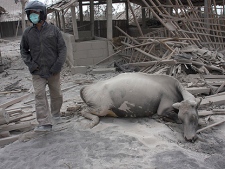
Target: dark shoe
{"points": [[43, 128]]}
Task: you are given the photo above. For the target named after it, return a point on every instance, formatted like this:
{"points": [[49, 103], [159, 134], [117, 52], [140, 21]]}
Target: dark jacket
{"points": [[44, 51]]}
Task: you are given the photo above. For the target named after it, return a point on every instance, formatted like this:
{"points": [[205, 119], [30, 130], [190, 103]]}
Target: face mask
{"points": [[34, 18]]}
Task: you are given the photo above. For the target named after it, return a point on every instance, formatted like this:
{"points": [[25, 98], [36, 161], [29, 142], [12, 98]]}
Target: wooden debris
{"points": [[217, 99], [4, 134], [17, 118], [210, 126], [203, 113], [7, 104], [17, 108], [4, 116], [21, 125], [8, 140], [198, 90]]}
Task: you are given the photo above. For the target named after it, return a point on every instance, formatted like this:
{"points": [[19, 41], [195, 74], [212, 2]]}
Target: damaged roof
{"points": [[61, 5], [184, 2], [10, 11]]}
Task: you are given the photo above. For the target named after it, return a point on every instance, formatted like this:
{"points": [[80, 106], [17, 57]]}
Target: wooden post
{"points": [[63, 21], [109, 20], [92, 18], [127, 14], [74, 20], [59, 21], [23, 15], [143, 17], [135, 19], [17, 27], [81, 12], [206, 13], [56, 19]]}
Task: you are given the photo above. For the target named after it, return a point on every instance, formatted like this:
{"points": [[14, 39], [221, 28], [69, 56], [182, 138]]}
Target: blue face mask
{"points": [[34, 18]]}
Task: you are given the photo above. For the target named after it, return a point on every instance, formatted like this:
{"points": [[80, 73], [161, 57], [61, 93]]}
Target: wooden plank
{"points": [[143, 52], [4, 134], [21, 125], [217, 100], [150, 63], [212, 125], [203, 113], [8, 140], [215, 95], [7, 104], [20, 107], [214, 76], [198, 90], [17, 118], [207, 76], [33, 117]]}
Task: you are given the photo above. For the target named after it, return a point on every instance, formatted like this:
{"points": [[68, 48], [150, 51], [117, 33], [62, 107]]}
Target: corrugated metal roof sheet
{"points": [[12, 11]]}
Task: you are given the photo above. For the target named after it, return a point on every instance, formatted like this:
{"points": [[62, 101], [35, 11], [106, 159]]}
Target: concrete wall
{"points": [[87, 52], [70, 42]]}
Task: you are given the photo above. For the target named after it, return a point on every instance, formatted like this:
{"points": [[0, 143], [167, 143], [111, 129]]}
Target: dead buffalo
{"points": [[141, 95]]}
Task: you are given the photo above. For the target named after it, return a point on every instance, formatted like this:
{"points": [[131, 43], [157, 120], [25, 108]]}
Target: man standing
{"points": [[43, 50]]}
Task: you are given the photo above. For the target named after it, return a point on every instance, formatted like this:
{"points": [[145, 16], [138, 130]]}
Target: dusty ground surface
{"points": [[114, 143]]}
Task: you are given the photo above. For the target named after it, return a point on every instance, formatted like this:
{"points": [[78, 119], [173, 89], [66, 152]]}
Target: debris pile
{"points": [[189, 38], [14, 121], [190, 47]]}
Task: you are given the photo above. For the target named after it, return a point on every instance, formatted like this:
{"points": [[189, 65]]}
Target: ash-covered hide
{"points": [[140, 95]]}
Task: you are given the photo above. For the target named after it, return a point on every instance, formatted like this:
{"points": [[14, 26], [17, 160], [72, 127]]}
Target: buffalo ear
{"points": [[176, 105]]}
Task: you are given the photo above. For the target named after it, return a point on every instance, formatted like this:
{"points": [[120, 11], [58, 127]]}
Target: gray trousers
{"points": [[44, 115]]}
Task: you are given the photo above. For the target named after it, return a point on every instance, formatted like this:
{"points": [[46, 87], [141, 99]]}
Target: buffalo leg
{"points": [[95, 119], [165, 109], [93, 114], [172, 116]]}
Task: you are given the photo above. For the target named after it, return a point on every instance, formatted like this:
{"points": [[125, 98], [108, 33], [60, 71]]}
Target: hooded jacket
{"points": [[44, 51]]}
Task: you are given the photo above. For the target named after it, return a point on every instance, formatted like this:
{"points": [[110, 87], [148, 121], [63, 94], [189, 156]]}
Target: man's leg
{"points": [[55, 94], [41, 102]]}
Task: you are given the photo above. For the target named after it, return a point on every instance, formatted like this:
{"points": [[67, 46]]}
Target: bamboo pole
{"points": [[150, 8], [128, 36], [135, 19], [145, 53]]}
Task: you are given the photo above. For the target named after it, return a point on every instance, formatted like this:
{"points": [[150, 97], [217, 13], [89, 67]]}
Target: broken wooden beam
{"points": [[210, 126], [216, 99], [4, 134], [150, 63], [203, 113], [211, 67], [141, 51], [4, 116], [198, 90], [8, 140], [17, 118], [21, 125], [7, 104]]}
